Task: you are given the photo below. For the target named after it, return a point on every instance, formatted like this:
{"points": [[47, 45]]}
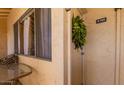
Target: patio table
{"points": [[14, 71]]}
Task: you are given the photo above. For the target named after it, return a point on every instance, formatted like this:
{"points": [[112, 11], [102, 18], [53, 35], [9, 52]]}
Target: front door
{"points": [[100, 47]]}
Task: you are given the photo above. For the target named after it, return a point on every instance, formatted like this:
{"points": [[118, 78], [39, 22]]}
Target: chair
{"points": [[9, 59]]}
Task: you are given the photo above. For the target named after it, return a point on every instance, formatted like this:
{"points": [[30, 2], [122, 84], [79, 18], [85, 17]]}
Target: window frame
{"points": [[20, 21]]}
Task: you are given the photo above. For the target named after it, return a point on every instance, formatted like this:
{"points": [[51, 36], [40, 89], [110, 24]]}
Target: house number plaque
{"points": [[101, 20]]}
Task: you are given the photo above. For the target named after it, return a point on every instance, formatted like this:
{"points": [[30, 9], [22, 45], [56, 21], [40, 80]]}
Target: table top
{"points": [[14, 71]]}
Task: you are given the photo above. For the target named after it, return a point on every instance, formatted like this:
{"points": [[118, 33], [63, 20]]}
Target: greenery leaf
{"points": [[79, 32]]}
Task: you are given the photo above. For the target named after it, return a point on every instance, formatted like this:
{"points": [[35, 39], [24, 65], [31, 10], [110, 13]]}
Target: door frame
{"points": [[118, 45]]}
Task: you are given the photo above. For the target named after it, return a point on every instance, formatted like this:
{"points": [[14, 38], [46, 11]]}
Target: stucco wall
{"points": [[3, 37], [44, 72]]}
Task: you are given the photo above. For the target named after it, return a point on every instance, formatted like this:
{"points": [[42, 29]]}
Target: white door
{"points": [[100, 47]]}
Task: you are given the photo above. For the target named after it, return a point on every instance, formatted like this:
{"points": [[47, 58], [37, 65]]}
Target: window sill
{"points": [[49, 60]]}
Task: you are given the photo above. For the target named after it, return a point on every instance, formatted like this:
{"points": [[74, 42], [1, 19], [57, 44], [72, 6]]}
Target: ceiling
{"points": [[82, 11], [4, 12]]}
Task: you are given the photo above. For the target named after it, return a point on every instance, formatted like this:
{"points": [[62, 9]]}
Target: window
{"points": [[33, 33], [43, 33], [16, 37], [28, 36]]}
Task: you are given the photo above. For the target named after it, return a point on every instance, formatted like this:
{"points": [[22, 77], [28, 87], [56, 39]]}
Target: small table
{"points": [[14, 71]]}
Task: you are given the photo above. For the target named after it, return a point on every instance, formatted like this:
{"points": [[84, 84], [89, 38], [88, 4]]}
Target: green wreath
{"points": [[79, 32]]}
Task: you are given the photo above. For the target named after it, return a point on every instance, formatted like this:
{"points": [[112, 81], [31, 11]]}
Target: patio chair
{"points": [[9, 59]]}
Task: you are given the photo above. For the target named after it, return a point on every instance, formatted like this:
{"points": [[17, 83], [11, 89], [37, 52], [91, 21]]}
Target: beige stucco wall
{"points": [[65, 47], [3, 37], [44, 72]]}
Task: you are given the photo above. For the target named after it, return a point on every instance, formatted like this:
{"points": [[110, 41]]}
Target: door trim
{"points": [[118, 46]]}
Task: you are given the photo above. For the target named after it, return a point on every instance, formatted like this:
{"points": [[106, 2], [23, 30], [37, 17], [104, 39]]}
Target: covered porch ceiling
{"points": [[4, 12]]}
